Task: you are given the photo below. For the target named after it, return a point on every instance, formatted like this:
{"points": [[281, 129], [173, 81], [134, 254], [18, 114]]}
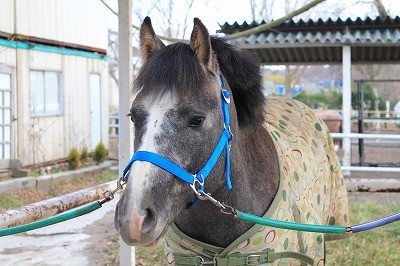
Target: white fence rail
{"points": [[368, 136], [365, 136]]}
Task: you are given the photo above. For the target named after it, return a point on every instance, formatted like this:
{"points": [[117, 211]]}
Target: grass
{"points": [[149, 256], [376, 247], [7, 201], [15, 199]]}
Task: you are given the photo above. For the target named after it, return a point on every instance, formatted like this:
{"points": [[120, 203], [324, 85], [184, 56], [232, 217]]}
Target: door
{"points": [[5, 116], [95, 109]]}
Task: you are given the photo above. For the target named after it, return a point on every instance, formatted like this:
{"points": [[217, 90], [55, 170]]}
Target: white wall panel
{"points": [[7, 56], [71, 21], [7, 16]]}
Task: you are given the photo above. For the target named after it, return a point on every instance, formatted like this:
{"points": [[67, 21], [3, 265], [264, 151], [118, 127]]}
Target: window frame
{"points": [[45, 113]]}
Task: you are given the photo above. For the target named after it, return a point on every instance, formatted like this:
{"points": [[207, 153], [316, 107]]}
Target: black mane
{"points": [[242, 71], [175, 67]]}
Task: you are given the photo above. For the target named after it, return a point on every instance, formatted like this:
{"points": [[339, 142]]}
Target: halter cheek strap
{"points": [[203, 173]]}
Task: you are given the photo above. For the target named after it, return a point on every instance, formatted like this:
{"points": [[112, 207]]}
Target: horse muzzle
{"points": [[136, 225]]}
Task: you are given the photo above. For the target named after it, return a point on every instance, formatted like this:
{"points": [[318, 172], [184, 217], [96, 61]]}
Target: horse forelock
{"points": [[174, 69]]}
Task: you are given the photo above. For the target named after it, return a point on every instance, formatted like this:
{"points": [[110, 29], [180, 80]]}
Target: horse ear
{"points": [[149, 42], [201, 44]]}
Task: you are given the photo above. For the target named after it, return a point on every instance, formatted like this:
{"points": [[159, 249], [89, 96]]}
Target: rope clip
{"points": [[225, 209], [109, 195]]}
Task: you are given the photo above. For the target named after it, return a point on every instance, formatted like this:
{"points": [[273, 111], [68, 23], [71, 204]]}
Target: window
{"points": [[45, 93]]}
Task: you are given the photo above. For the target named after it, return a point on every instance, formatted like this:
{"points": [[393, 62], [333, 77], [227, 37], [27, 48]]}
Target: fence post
{"points": [[127, 253], [346, 102]]}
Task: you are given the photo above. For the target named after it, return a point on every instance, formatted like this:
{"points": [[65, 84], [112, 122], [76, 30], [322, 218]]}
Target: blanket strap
{"points": [[238, 259]]}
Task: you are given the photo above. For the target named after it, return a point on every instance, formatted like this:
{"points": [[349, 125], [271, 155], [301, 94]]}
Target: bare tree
{"points": [[383, 13], [372, 71], [262, 9], [171, 27]]}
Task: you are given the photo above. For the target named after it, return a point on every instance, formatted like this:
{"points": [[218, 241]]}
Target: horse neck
{"points": [[255, 178]]}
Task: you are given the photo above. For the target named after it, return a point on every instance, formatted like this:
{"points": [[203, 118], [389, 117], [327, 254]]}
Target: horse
{"points": [[277, 158]]}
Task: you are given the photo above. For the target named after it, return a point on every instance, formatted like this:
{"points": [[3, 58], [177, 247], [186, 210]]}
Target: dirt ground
{"points": [[103, 235]]}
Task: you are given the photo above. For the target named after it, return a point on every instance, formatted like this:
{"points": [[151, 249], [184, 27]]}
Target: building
{"points": [[53, 78]]}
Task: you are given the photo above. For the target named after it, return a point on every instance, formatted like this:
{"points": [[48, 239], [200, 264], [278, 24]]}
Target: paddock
{"points": [[124, 129]]}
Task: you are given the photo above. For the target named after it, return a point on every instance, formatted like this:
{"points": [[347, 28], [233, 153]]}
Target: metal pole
{"points": [[346, 102], [360, 90], [127, 253]]}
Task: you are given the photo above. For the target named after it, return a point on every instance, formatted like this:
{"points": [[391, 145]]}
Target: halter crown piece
{"points": [[202, 174]]}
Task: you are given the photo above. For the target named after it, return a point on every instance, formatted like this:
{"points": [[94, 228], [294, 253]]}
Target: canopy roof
{"points": [[307, 42]]}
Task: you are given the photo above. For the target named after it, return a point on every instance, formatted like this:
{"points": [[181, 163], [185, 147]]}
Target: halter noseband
{"points": [[200, 176]]}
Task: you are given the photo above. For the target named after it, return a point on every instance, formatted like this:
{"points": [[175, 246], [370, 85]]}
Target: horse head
{"points": [[176, 114]]}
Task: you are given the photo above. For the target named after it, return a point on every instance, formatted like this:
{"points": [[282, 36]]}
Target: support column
{"points": [[346, 72], [125, 143]]}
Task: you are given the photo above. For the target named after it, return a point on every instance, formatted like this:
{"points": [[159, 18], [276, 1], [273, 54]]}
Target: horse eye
{"points": [[196, 121], [131, 117]]}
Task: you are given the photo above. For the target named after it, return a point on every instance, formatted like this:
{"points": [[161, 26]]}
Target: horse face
{"points": [[176, 116]]}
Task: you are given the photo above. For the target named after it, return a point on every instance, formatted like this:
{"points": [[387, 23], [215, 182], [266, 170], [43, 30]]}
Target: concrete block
{"points": [[4, 173], [20, 173], [4, 164], [15, 164], [87, 171], [43, 183], [15, 184]]}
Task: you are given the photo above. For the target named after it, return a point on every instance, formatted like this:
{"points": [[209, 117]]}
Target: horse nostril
{"points": [[149, 221], [149, 213]]}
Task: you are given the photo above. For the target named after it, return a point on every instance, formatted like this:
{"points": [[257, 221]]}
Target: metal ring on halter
{"points": [[195, 189], [226, 99]]}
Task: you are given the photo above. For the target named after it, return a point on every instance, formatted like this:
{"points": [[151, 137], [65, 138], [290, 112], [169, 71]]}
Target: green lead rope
{"points": [[328, 229], [52, 220]]}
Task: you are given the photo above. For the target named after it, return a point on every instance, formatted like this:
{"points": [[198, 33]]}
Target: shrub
{"points": [[73, 158], [84, 154], [100, 153]]}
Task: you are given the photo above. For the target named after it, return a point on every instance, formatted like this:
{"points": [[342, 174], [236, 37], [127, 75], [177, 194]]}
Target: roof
{"points": [[371, 40]]}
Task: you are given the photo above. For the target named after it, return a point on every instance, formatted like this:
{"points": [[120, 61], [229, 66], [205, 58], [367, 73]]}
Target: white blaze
{"points": [[156, 110]]}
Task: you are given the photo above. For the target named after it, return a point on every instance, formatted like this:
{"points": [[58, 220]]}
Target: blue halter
{"points": [[201, 175]]}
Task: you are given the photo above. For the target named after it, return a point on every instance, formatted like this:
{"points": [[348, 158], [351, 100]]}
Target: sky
{"points": [[215, 12]]}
